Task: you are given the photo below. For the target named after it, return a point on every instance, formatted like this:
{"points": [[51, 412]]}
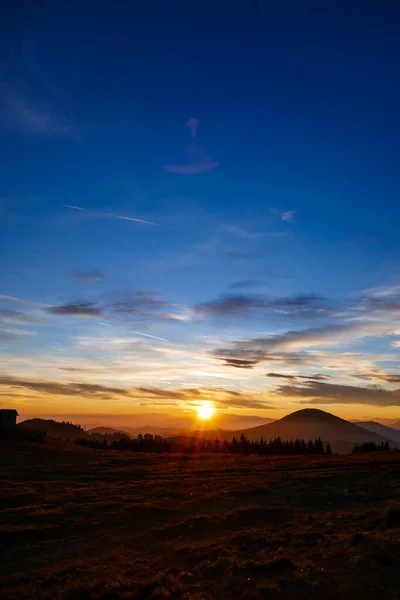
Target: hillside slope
{"points": [[56, 429], [311, 423], [388, 432]]}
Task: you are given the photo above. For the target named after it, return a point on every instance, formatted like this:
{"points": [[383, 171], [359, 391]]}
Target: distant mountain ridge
{"points": [[388, 432], [308, 423], [311, 423], [107, 431]]}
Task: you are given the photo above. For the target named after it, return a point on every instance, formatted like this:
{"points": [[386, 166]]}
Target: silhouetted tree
{"points": [[157, 444], [370, 447]]}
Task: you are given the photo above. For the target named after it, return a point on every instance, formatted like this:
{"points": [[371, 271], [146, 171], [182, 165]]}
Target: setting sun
{"points": [[205, 411]]}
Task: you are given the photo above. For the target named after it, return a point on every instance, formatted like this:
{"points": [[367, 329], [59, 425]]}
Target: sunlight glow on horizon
{"points": [[205, 411]]}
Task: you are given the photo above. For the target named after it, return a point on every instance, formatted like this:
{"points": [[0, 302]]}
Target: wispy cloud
{"points": [[241, 304], [16, 316], [240, 232], [8, 337], [287, 215], [20, 113], [78, 309], [96, 214], [13, 331], [22, 301], [258, 350], [311, 376], [382, 300], [130, 307], [220, 397], [88, 276], [196, 160]]}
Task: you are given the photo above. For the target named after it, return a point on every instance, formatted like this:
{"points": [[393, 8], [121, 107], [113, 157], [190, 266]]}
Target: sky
{"points": [[199, 201]]}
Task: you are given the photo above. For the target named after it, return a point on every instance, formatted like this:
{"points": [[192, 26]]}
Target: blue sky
{"points": [[264, 232]]}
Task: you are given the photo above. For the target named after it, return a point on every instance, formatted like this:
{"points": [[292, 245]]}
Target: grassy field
{"points": [[83, 524]]}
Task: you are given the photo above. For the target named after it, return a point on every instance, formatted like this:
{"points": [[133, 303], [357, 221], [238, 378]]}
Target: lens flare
{"points": [[205, 411]]}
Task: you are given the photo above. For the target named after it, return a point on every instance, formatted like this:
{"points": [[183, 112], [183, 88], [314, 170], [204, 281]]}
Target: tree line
{"points": [[242, 445], [370, 447]]}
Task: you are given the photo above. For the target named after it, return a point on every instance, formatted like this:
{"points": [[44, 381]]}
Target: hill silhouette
{"points": [[56, 429], [311, 423], [191, 427], [388, 432], [107, 431]]}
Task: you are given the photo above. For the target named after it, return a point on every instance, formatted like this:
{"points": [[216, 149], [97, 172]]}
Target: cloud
{"points": [[287, 215], [78, 309], [22, 301], [94, 214], [13, 331], [239, 363], [382, 300], [314, 377], [259, 350], [240, 232], [89, 276], [196, 161], [243, 304], [145, 306], [16, 316], [31, 118], [330, 393], [229, 305], [8, 337], [220, 397], [133, 301], [64, 389], [377, 375], [132, 305], [128, 306], [280, 376]]}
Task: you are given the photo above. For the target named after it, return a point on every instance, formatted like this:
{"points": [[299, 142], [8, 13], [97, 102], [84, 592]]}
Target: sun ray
{"points": [[205, 411]]}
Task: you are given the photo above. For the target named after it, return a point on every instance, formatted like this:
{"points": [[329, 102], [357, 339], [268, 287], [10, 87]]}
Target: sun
{"points": [[205, 411]]}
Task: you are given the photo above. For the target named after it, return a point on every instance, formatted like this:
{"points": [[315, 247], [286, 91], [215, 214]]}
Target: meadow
{"points": [[84, 524]]}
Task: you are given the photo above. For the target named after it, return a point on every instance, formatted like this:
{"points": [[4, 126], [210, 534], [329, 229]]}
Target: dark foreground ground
{"points": [[85, 524]]}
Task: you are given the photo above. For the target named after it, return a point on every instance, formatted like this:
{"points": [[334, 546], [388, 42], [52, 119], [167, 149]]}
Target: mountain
{"points": [[219, 421], [381, 420], [311, 423], [190, 427], [107, 431], [154, 430], [395, 425], [388, 432], [63, 430], [232, 422]]}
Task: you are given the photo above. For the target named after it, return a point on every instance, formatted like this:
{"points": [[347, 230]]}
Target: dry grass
{"points": [[80, 524]]}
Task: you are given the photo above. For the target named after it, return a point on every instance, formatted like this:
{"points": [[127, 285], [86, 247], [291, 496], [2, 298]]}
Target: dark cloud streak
{"points": [[78, 309], [89, 276], [250, 304], [158, 396], [314, 392]]}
